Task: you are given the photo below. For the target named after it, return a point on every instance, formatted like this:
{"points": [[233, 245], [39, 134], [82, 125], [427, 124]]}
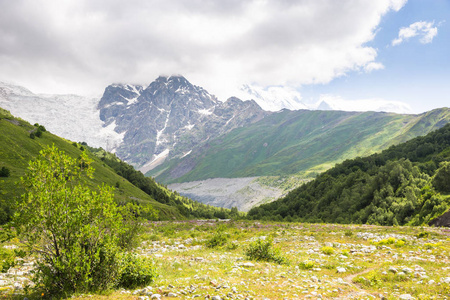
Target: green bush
{"points": [[327, 250], [219, 239], [441, 180], [263, 250], [4, 172], [38, 133], [232, 245], [306, 265], [7, 259], [73, 230], [133, 215], [136, 271], [423, 234]]}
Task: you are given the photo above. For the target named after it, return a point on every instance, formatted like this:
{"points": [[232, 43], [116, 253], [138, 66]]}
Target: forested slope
{"points": [[404, 184]]}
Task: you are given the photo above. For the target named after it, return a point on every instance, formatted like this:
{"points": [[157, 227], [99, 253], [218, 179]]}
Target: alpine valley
{"points": [[229, 153]]}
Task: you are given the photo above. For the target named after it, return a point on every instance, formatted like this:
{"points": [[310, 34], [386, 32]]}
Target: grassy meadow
{"points": [[207, 260]]}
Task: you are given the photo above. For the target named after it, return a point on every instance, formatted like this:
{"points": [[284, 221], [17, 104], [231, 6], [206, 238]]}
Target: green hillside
{"points": [[305, 142], [18, 148], [405, 184]]}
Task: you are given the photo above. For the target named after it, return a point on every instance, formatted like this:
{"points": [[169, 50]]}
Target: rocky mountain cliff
{"points": [[169, 117]]}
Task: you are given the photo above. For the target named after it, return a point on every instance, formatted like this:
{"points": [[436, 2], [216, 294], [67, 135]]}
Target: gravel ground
{"points": [[243, 193]]}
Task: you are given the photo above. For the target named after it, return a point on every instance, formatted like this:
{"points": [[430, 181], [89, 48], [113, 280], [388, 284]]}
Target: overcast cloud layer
{"points": [[81, 46]]}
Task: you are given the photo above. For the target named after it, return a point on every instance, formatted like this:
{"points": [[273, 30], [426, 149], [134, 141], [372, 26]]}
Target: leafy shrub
{"points": [[32, 135], [327, 250], [133, 215], [4, 172], [232, 245], [219, 239], [306, 265], [441, 180], [7, 259], [348, 233], [136, 271], [399, 243], [38, 133], [423, 234], [263, 250], [389, 241], [431, 245], [75, 231]]}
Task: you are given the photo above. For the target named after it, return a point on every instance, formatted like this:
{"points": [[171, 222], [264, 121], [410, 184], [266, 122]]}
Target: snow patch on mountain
{"points": [[273, 98], [205, 112], [189, 126], [187, 153], [156, 161], [331, 102]]}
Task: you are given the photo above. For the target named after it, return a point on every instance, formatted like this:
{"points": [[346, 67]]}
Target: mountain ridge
{"points": [[169, 117], [298, 141]]}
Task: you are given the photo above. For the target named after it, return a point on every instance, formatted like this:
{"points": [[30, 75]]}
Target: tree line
{"points": [[187, 207]]}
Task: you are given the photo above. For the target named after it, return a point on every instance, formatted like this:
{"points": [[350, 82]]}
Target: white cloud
{"points": [[272, 98], [372, 66], [426, 30], [333, 102], [81, 46]]}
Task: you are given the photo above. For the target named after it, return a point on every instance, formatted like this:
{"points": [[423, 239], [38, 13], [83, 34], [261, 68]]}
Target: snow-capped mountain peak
{"points": [[169, 116]]}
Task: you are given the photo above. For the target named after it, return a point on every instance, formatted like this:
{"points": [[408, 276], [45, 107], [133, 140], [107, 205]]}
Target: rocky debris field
{"points": [[207, 260], [243, 193]]}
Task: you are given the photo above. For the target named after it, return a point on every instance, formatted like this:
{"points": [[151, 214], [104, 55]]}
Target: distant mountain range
{"points": [[177, 132]]}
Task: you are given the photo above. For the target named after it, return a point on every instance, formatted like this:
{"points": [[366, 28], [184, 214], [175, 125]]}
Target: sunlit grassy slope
{"points": [[17, 149], [305, 142]]}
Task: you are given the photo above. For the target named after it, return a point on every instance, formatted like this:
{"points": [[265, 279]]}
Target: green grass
{"points": [[304, 142], [368, 256], [18, 149]]}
